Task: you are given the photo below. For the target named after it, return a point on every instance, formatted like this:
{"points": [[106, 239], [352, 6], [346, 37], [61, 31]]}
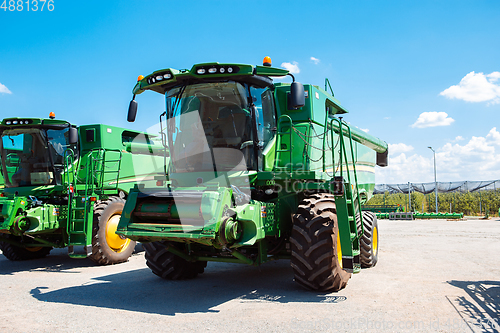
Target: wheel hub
{"points": [[115, 242]]}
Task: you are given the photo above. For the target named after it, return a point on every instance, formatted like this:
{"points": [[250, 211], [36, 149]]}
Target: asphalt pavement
{"points": [[432, 276]]}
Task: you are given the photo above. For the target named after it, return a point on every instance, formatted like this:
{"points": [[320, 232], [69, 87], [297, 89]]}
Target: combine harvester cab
{"points": [[258, 171], [65, 186]]}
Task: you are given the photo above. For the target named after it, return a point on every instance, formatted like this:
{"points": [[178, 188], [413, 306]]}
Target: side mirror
{"points": [[132, 111], [73, 136], [297, 97], [382, 158]]}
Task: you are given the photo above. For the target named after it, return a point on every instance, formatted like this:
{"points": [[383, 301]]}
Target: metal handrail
{"points": [[278, 142]]}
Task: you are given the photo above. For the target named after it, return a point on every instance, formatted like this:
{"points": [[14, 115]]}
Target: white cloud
{"points": [[459, 138], [477, 159], [4, 89], [476, 87], [432, 119], [494, 136], [404, 169], [366, 130], [315, 60], [292, 67], [387, 117], [397, 148]]}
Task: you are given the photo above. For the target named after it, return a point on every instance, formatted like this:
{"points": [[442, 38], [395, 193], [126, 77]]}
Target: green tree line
{"points": [[469, 203]]}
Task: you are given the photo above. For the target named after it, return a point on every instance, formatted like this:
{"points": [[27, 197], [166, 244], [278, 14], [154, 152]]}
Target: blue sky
{"points": [[413, 73]]}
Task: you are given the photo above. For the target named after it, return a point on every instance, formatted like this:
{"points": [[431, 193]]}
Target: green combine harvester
{"points": [[66, 186], [258, 171]]}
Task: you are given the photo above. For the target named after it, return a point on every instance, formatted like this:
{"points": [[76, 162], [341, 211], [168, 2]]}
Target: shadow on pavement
{"points": [[482, 308], [141, 291], [57, 261]]}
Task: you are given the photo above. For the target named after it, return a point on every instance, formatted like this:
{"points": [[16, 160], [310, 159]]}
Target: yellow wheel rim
{"points": [[375, 241], [339, 250], [34, 249], [115, 242]]}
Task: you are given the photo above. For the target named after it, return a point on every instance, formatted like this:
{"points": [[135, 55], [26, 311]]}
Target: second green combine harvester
{"points": [[258, 171], [65, 186]]}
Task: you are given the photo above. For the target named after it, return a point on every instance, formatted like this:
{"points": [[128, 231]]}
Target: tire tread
{"points": [[313, 244], [169, 266]]}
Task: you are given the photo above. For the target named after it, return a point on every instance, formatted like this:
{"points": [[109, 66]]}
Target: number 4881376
{"points": [[29, 5]]}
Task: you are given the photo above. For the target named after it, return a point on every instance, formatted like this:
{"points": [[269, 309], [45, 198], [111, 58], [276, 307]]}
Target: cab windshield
{"points": [[33, 156], [219, 126]]}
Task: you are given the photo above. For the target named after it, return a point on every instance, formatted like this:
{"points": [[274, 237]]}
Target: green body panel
{"points": [[246, 216], [39, 219], [140, 157], [309, 152], [108, 161]]}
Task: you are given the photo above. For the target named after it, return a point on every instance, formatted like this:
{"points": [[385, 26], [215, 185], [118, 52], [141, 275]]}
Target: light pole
{"points": [[435, 178], [409, 195]]}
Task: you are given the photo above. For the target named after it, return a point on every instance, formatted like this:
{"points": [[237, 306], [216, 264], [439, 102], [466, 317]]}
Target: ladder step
{"points": [[82, 252], [77, 232]]}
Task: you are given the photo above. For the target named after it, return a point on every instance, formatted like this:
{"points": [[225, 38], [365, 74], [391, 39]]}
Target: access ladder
{"points": [[100, 169]]}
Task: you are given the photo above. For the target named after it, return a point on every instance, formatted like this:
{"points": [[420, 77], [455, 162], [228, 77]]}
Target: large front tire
{"points": [[169, 266], [17, 253], [315, 243], [369, 240], [108, 247]]}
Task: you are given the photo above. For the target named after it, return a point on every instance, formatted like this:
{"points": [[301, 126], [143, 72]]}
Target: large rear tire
{"points": [[369, 240], [108, 247], [315, 243], [17, 253], [169, 266]]}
